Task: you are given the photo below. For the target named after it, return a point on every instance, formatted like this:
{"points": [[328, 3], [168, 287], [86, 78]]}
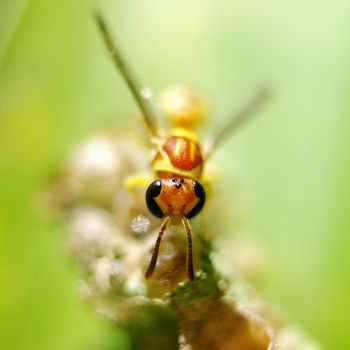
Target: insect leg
{"points": [[137, 183], [141, 94], [236, 120], [153, 262], [189, 258]]}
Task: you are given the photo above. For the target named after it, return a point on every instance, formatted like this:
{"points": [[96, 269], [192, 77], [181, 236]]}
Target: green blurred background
{"points": [[291, 165]]}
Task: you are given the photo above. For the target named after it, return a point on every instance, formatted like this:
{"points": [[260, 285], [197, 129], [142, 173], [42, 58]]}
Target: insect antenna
{"points": [[141, 94], [235, 121], [153, 262], [189, 258]]}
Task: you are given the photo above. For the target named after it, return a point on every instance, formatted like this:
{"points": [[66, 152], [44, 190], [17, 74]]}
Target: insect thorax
{"points": [[179, 154]]}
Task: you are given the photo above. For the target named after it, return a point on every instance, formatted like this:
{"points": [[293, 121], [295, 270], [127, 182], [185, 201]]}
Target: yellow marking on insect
{"points": [[184, 133], [192, 150], [178, 147]]}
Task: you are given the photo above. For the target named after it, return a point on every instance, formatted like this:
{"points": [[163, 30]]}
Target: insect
{"points": [[176, 194]]}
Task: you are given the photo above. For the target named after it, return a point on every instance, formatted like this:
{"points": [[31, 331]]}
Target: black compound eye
{"points": [[200, 194], [152, 192]]}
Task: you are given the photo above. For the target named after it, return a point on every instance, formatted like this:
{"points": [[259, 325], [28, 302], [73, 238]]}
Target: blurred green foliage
{"points": [[290, 166]]}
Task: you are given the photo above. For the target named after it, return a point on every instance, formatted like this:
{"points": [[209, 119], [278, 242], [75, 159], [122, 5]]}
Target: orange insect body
{"points": [[178, 155], [178, 164], [184, 154]]}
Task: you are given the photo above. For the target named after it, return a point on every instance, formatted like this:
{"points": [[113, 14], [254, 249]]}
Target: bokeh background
{"points": [[290, 166]]}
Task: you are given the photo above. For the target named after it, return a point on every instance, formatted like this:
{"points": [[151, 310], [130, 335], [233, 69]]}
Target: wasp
{"points": [[177, 192]]}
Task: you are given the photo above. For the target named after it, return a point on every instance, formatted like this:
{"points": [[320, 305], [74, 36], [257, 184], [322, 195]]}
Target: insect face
{"points": [[175, 196]]}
